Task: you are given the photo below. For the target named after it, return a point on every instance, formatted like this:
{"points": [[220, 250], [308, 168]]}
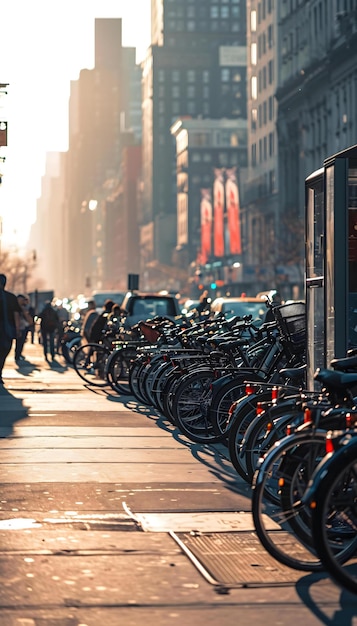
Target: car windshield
{"points": [[149, 307], [255, 309]]}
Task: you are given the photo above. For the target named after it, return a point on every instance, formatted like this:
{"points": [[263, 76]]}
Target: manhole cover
{"points": [[234, 559]]}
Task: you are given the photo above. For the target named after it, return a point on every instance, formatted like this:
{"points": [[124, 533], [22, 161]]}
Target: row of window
{"points": [[264, 113], [230, 24], [202, 12], [264, 7], [190, 76], [263, 151]]}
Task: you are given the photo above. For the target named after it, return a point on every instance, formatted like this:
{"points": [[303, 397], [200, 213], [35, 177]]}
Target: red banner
{"points": [[218, 225], [233, 212], [206, 225]]}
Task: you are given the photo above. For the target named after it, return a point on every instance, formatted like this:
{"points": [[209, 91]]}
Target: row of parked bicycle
{"points": [[231, 382]]}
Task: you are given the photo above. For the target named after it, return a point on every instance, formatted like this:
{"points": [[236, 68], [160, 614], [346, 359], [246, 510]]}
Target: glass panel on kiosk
{"points": [[352, 254], [315, 306]]}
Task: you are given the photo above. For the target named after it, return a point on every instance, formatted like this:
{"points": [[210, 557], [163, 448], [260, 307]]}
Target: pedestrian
{"points": [[48, 327], [63, 316], [88, 320], [204, 306], [9, 322], [25, 322], [31, 327], [101, 322]]}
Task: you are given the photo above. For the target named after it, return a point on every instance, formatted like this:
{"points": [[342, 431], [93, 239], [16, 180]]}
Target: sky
{"points": [[44, 45]]}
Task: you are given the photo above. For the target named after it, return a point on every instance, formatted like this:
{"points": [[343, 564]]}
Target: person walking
{"points": [[9, 322], [88, 320], [25, 322], [63, 316], [48, 328]]}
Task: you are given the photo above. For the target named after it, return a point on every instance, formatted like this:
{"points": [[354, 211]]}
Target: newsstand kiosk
{"points": [[331, 260]]}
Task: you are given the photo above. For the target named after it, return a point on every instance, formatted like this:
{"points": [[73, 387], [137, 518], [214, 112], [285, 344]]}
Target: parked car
{"points": [[141, 306], [240, 306]]}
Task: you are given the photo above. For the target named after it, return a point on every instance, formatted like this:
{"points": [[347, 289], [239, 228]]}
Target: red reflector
{"points": [[307, 415], [259, 409], [329, 445], [289, 430], [348, 420], [249, 389], [274, 394]]}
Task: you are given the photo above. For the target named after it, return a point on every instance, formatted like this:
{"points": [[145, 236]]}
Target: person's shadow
{"points": [[11, 410]]}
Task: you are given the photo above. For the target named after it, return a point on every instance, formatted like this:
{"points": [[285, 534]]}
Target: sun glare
{"points": [[46, 44]]}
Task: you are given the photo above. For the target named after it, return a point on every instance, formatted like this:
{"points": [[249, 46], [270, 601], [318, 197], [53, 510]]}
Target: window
{"points": [[254, 88], [254, 154], [253, 54], [271, 144], [191, 91], [191, 76], [253, 21]]}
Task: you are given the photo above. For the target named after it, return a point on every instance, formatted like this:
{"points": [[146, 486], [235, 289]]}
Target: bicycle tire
{"points": [[334, 517], [223, 399], [117, 370], [271, 522], [243, 415], [89, 363], [190, 407], [264, 431], [136, 366]]}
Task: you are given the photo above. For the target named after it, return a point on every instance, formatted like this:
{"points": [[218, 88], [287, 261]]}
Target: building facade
{"points": [[195, 68]]}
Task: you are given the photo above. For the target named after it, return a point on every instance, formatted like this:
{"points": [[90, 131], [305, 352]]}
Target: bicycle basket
{"points": [[291, 320]]}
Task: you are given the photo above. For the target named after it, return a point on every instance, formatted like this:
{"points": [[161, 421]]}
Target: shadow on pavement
{"points": [[11, 410], [348, 608]]}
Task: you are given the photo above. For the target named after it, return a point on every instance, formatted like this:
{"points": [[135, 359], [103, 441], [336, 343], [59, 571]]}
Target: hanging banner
{"points": [[206, 225], [233, 212], [218, 202]]}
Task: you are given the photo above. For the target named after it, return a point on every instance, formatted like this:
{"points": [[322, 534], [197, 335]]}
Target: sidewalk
{"points": [[110, 516]]}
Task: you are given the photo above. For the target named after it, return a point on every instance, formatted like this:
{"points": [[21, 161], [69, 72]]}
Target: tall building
{"points": [[104, 106], [260, 212], [193, 69], [208, 150], [316, 96]]}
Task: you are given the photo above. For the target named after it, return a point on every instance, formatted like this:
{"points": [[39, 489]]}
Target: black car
{"points": [[141, 306]]}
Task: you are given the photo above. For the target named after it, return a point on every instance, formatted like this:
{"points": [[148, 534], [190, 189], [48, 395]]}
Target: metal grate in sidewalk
{"points": [[234, 559]]}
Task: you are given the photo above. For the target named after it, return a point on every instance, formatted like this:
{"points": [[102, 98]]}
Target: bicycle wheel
{"points": [[265, 430], [334, 518], [272, 521], [135, 370], [89, 363], [190, 406], [117, 370], [243, 415], [69, 349], [223, 399], [159, 383]]}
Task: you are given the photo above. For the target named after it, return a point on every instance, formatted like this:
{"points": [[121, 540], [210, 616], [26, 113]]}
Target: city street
{"points": [[109, 516]]}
